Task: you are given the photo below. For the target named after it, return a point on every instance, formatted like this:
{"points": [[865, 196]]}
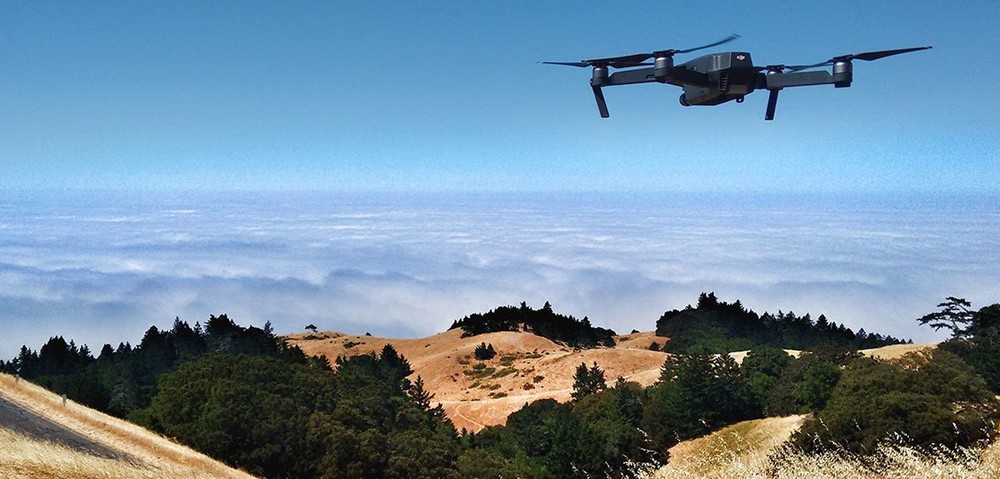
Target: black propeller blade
{"points": [[637, 59], [867, 56], [569, 64], [710, 45]]}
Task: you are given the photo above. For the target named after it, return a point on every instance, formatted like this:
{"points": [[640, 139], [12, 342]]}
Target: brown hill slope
{"points": [[526, 368], [43, 438]]}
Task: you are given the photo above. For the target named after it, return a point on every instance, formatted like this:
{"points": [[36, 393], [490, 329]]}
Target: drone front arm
{"points": [[785, 80]]}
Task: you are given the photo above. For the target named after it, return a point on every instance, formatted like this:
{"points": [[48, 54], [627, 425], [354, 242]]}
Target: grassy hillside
{"points": [[142, 454], [751, 449], [527, 367]]}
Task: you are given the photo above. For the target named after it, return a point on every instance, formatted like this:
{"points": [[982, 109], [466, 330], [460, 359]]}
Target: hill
{"points": [[526, 368], [754, 449], [42, 438]]}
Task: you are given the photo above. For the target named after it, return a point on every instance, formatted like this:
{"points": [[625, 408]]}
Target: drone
{"points": [[718, 78]]}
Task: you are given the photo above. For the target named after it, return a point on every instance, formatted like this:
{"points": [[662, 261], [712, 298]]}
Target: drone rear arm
{"points": [[774, 81], [677, 75]]}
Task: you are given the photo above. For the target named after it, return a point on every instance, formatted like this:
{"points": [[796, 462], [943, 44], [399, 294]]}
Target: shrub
{"points": [[484, 352]]}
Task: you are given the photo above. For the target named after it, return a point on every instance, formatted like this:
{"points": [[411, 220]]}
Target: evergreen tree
{"points": [[587, 381]]}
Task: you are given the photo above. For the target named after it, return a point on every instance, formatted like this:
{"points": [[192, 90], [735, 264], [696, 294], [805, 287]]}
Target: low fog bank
{"points": [[103, 267]]}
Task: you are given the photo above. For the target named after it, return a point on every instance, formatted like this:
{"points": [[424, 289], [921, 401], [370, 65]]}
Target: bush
{"points": [[484, 352], [929, 398]]}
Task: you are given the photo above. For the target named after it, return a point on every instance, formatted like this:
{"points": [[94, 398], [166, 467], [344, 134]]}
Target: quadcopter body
{"points": [[720, 77]]}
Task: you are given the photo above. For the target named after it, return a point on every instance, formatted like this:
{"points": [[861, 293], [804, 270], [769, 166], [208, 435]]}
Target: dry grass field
{"points": [[750, 450], [527, 368], [138, 453]]}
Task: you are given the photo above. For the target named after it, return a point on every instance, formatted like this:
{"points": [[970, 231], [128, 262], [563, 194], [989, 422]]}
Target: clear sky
{"points": [[361, 95]]}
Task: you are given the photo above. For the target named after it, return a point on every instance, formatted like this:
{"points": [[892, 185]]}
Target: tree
{"points": [[955, 316], [818, 381], [421, 396], [696, 393], [975, 336], [587, 381], [761, 369]]}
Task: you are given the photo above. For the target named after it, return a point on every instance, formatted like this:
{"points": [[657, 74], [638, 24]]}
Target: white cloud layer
{"points": [[102, 268]]}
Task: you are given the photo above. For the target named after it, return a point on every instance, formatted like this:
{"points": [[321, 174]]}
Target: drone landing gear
{"points": [[602, 105], [772, 103]]}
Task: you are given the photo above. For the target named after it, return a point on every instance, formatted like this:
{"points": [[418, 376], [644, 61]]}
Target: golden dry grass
{"points": [[153, 453], [896, 351], [750, 450], [27, 458]]}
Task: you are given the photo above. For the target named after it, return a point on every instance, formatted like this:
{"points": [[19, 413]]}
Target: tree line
{"points": [[722, 327]]}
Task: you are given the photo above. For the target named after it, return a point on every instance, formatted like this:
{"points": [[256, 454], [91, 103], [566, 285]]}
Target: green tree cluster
{"points": [[721, 327], [543, 322], [279, 418], [975, 336], [923, 399], [598, 435], [122, 380]]}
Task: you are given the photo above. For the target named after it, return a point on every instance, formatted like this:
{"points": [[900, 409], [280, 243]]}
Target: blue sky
{"points": [[448, 96], [143, 102]]}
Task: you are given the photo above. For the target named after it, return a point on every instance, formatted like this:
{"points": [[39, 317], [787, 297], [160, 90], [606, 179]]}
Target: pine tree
{"points": [[587, 381]]}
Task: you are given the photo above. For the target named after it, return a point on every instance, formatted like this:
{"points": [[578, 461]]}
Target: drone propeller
{"points": [[637, 59], [867, 56]]}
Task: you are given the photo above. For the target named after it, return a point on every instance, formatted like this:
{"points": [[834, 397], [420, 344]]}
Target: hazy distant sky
{"points": [[362, 95]]}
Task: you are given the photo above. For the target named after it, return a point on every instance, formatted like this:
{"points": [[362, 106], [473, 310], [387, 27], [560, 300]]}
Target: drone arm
{"points": [[678, 76], [785, 80], [630, 77], [775, 81]]}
